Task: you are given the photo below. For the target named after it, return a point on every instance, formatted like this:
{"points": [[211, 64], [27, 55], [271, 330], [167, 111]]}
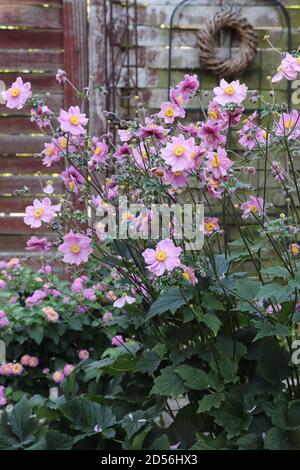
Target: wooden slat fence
{"points": [[36, 38]]}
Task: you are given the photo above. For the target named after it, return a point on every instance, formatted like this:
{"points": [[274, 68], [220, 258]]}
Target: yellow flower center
{"points": [[179, 99], [169, 112], [127, 216], [178, 150], [161, 255], [253, 209], [71, 185], [15, 92], [49, 151], [209, 226], [74, 120], [177, 173], [229, 90], [144, 155], [295, 249], [63, 143], [213, 183], [298, 60], [289, 124], [215, 161], [186, 276], [75, 248], [264, 134], [38, 213], [97, 151], [213, 114]]}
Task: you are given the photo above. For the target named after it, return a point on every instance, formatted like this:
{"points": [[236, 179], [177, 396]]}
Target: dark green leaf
{"points": [[171, 300]]}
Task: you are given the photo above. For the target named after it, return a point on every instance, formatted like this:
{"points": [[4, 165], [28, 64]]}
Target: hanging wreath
{"points": [[207, 43]]}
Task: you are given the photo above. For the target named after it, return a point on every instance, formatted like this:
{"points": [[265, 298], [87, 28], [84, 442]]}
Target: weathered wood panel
{"points": [[31, 39], [24, 165], [36, 38], [35, 60], [34, 16], [9, 184]]}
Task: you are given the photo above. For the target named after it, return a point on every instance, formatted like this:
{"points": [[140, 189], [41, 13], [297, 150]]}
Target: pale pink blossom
{"points": [[188, 86], [99, 151], [51, 314], [218, 163], [58, 376], [40, 211], [210, 133], [231, 92], [68, 369], [122, 301], [254, 206], [211, 224], [151, 129], [117, 340], [289, 68], [83, 355], [107, 317], [61, 76], [51, 153], [164, 258], [188, 275], [76, 248], [72, 179], [73, 121], [125, 135], [17, 95], [294, 249], [170, 111], [179, 153], [38, 244], [289, 125], [177, 179]]}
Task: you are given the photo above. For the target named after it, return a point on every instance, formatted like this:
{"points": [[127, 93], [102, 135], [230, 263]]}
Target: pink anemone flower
{"points": [[76, 248], [164, 258], [40, 211]]}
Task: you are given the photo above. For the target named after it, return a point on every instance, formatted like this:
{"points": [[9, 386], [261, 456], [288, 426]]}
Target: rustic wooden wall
{"points": [[153, 21], [36, 38]]}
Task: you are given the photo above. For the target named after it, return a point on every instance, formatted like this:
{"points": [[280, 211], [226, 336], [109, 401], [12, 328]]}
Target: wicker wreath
{"points": [[207, 43]]}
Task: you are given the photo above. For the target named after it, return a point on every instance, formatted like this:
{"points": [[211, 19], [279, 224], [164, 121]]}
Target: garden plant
{"points": [[135, 342]]}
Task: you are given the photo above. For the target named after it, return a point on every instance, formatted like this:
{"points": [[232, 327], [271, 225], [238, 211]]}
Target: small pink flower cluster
{"points": [[59, 375], [83, 354], [11, 368], [51, 314], [4, 321], [36, 298], [29, 361], [3, 400]]}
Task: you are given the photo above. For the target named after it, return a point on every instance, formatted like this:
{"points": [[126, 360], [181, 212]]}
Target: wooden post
{"points": [[75, 47], [97, 65]]}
